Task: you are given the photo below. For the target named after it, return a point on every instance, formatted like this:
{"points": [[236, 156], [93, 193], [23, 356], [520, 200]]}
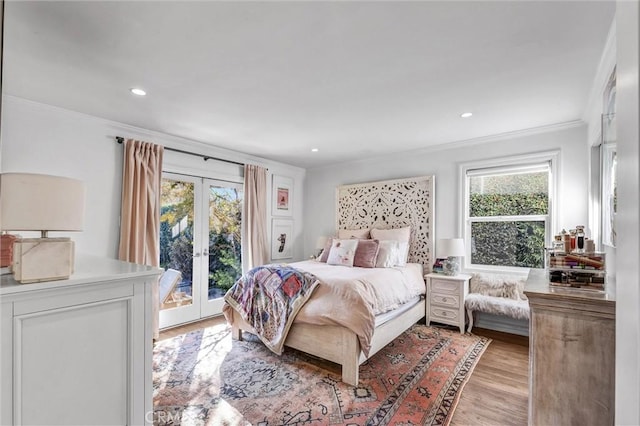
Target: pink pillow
{"points": [[366, 254], [325, 252]]}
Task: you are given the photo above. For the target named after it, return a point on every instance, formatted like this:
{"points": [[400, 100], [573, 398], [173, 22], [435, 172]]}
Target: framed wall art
{"points": [[282, 196], [281, 239]]}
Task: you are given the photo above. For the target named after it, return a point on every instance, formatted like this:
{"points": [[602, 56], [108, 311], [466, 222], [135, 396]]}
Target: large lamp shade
{"points": [[35, 202], [450, 247]]}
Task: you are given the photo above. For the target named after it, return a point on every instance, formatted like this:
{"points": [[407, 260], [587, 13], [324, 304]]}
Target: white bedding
{"points": [[352, 296]]}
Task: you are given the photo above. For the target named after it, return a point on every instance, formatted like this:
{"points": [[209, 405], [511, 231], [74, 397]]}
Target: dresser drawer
{"points": [[445, 286], [450, 300], [445, 314]]}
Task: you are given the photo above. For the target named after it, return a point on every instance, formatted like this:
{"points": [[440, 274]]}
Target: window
{"points": [[508, 213]]}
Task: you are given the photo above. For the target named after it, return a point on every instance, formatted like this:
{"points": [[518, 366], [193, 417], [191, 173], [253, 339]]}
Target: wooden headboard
{"points": [[392, 204]]}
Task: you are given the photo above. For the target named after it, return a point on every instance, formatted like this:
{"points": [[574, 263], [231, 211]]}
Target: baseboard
{"points": [[501, 323]]}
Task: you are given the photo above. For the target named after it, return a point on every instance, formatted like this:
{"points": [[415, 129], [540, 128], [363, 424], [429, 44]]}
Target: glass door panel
{"points": [[223, 233], [179, 301], [200, 246]]}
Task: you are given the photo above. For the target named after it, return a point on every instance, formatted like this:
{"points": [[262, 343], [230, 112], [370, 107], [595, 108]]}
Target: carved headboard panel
{"points": [[392, 204]]}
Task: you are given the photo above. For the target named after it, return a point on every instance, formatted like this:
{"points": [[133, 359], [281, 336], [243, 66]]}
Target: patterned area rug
{"points": [[205, 378]]}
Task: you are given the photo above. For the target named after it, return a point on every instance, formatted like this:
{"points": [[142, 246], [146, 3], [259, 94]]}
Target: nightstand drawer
{"points": [[445, 286], [440, 313], [450, 300]]}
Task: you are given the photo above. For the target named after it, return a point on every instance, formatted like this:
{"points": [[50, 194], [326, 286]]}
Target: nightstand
{"points": [[445, 298]]}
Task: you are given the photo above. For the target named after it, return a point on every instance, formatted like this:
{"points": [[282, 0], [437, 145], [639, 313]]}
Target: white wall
{"points": [[628, 248], [443, 163], [39, 138]]}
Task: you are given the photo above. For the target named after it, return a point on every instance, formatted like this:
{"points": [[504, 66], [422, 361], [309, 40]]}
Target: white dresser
{"points": [[445, 299], [78, 351]]}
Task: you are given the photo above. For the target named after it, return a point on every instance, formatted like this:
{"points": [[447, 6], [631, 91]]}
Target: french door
{"points": [[200, 246]]}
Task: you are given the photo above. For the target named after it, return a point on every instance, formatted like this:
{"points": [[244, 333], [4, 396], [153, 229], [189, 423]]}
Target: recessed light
{"points": [[137, 91], [314, 149], [466, 114]]}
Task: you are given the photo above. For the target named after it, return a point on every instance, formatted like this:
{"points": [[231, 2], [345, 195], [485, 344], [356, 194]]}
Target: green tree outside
{"points": [[176, 234], [508, 243]]}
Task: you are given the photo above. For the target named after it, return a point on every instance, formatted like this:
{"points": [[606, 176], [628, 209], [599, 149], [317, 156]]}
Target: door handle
{"points": [[205, 253]]}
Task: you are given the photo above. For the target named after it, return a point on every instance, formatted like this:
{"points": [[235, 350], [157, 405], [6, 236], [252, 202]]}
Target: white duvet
{"points": [[352, 297]]}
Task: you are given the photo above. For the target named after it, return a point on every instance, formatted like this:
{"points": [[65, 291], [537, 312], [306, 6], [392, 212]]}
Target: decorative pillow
{"points": [[402, 235], [388, 254], [366, 253], [343, 252], [362, 234], [325, 251]]}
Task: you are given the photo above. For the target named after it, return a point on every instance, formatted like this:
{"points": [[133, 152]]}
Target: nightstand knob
{"points": [[444, 299], [444, 313]]}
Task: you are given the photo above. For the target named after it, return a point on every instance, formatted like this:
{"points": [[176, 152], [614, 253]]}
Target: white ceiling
{"points": [[275, 79]]}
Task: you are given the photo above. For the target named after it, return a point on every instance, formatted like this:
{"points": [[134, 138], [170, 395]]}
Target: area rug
{"points": [[205, 378]]}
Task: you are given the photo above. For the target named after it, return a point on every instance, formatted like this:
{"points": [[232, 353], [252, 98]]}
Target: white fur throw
{"points": [[518, 309], [498, 294], [498, 285]]}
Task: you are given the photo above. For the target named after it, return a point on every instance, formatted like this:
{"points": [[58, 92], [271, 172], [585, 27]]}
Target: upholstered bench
{"points": [[498, 294]]}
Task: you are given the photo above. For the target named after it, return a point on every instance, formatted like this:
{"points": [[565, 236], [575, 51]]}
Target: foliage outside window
{"points": [[224, 245], [508, 215]]}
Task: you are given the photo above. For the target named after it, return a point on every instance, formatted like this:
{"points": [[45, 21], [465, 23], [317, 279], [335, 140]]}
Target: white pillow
{"points": [[388, 254], [402, 235], [342, 252]]}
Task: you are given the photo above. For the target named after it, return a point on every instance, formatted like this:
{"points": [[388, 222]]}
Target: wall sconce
{"points": [[453, 250], [34, 202]]}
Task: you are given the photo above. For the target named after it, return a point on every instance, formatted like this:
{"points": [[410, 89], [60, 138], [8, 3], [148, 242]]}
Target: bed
{"points": [[378, 205]]}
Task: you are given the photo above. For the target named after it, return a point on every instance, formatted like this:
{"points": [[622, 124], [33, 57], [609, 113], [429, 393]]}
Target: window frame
{"points": [[514, 163]]}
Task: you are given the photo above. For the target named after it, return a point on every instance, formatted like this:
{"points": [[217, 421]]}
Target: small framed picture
{"points": [[281, 239], [438, 266], [282, 191]]}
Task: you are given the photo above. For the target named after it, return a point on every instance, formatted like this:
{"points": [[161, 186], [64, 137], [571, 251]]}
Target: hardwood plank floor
{"points": [[497, 392]]}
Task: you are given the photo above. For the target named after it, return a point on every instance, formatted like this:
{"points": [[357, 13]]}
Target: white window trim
{"points": [[503, 164]]}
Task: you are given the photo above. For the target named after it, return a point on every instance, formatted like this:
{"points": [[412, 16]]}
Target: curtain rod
{"points": [[120, 140]]}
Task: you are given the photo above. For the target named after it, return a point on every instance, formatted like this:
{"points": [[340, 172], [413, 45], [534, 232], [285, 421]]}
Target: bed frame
{"points": [[384, 205], [339, 344]]}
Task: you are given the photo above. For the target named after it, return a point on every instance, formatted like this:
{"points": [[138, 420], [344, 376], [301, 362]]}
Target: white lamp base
{"points": [[42, 259], [451, 266]]}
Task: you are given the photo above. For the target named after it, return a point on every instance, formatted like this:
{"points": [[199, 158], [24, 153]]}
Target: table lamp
{"points": [[452, 249], [35, 202], [320, 243]]}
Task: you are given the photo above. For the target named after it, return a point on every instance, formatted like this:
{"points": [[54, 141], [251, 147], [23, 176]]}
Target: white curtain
{"points": [[140, 214], [254, 243]]}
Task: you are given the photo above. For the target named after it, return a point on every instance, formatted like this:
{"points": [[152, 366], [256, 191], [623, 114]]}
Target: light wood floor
{"points": [[497, 392]]}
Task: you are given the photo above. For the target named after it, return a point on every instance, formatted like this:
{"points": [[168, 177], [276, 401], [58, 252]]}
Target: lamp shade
{"points": [[450, 247], [320, 242], [35, 202]]}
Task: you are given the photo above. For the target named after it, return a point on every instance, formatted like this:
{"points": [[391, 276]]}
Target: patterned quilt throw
{"points": [[269, 297]]}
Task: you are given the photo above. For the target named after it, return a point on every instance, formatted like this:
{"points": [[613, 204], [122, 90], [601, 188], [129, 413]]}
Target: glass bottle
{"points": [[580, 238], [558, 244]]}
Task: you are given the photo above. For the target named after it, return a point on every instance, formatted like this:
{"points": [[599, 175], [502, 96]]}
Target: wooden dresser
{"points": [[571, 354], [78, 351]]}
